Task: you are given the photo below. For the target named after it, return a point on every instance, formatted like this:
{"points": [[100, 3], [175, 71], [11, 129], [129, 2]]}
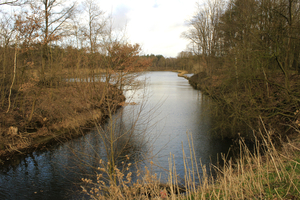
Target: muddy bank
{"points": [[49, 115]]}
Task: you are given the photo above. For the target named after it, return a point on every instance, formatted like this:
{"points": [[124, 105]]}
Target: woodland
{"points": [[247, 57]]}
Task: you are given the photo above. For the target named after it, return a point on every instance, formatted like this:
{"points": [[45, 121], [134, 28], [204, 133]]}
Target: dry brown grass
{"points": [[120, 186], [265, 173], [181, 72], [58, 112]]}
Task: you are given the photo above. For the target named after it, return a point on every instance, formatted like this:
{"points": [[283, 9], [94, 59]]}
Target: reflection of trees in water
{"points": [[123, 139], [128, 141]]}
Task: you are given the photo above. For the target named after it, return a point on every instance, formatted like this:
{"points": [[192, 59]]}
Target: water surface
{"points": [[168, 108]]}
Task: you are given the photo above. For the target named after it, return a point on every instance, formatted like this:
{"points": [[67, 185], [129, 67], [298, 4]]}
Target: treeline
{"points": [[44, 41], [247, 36], [249, 57], [185, 60]]}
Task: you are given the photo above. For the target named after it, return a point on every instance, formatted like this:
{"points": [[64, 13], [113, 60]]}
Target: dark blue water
{"points": [[160, 115]]}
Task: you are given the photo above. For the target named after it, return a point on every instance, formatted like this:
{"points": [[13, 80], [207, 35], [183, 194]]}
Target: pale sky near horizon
{"points": [[156, 25]]}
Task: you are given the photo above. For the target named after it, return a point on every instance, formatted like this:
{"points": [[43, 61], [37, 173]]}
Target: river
{"points": [[168, 108]]}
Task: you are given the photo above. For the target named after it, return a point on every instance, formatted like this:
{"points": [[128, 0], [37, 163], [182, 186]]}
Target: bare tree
{"points": [[13, 2], [55, 15], [96, 24], [6, 36], [203, 33]]}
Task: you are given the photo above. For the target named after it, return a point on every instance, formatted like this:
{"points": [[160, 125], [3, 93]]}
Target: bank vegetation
{"points": [[248, 62], [262, 173], [59, 75]]}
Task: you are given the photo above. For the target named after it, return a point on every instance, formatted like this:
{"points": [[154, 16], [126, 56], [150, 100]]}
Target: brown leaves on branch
{"points": [[125, 58], [28, 27]]}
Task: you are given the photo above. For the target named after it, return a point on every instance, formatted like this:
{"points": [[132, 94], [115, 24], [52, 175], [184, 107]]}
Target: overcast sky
{"points": [[155, 24]]}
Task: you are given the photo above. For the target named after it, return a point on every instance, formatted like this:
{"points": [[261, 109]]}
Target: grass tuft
{"points": [[263, 173]]}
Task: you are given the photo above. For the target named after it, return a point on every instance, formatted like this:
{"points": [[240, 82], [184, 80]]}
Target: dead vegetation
{"points": [[50, 113], [237, 106], [265, 173]]}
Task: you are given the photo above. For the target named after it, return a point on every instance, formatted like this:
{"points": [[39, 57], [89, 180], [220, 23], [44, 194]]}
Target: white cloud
{"points": [[155, 24]]}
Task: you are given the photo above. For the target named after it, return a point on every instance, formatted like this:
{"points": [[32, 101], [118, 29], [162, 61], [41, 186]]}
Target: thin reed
{"points": [[262, 173]]}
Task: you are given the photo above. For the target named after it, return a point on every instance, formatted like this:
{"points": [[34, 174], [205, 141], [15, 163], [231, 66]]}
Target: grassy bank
{"points": [[50, 114], [181, 73], [265, 173]]}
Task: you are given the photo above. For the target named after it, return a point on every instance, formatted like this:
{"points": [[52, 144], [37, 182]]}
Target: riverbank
{"points": [[181, 73], [243, 100], [55, 114], [272, 170], [266, 173]]}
